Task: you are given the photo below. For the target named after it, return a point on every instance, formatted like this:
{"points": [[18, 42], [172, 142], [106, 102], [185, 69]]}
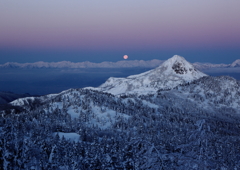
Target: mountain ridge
{"points": [[119, 64], [6, 97], [171, 73], [86, 64]]}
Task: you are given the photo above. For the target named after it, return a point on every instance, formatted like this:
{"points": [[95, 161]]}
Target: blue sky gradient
{"points": [[96, 31]]}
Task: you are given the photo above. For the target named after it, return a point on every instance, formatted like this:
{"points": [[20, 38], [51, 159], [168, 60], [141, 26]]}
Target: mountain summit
{"points": [[171, 73]]}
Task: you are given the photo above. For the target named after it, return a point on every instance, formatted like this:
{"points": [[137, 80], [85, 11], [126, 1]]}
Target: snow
{"points": [[67, 64], [204, 66], [102, 117], [171, 73], [150, 104], [212, 93], [187, 118], [69, 136], [21, 101], [73, 112], [235, 63], [72, 101], [120, 64]]}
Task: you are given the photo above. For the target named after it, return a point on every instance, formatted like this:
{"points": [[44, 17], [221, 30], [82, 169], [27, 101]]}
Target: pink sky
{"points": [[114, 25]]}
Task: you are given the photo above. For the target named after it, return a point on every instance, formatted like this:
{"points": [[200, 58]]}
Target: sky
{"points": [[97, 31]]}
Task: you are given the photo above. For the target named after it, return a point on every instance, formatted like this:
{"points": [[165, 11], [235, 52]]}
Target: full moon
{"points": [[125, 57]]}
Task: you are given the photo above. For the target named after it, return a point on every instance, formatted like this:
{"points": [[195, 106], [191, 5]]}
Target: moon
{"points": [[125, 57]]}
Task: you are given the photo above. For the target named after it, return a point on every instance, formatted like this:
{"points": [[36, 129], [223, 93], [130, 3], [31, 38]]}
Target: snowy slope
{"points": [[171, 73], [220, 93], [28, 101], [94, 108], [6, 97], [235, 63]]}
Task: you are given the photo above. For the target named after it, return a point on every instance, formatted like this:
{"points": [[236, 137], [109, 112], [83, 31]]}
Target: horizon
{"points": [[201, 31], [22, 56], [120, 60], [119, 84]]}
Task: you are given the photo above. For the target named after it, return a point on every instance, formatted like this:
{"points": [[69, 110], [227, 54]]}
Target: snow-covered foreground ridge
{"points": [[171, 73]]}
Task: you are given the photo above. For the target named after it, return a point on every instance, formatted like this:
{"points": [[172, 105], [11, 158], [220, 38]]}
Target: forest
{"points": [[155, 131]]}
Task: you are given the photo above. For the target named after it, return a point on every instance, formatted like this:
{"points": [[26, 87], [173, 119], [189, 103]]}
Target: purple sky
{"points": [[166, 28]]}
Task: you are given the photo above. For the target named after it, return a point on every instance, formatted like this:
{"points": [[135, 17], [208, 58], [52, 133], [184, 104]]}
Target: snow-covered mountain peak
{"points": [[178, 65], [171, 73], [174, 59], [235, 63]]}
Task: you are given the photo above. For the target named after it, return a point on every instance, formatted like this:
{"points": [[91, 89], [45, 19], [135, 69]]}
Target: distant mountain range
{"points": [[119, 64], [86, 64]]}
